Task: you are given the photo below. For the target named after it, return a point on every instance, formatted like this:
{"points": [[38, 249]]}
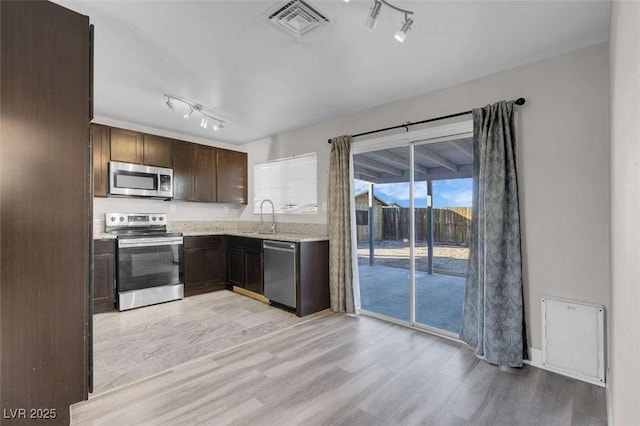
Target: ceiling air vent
{"points": [[297, 18]]}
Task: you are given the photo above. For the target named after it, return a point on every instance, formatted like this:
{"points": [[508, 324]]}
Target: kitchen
{"points": [[49, 219], [141, 259]]}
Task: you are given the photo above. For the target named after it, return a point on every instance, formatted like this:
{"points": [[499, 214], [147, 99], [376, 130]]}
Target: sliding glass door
{"points": [[413, 206], [442, 207], [382, 188]]}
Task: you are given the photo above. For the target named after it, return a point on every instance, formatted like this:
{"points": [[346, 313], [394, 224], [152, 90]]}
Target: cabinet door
{"points": [[236, 266], [126, 146], [103, 282], [158, 151], [203, 265], [253, 271], [205, 174], [183, 163], [104, 268], [231, 169], [100, 146]]}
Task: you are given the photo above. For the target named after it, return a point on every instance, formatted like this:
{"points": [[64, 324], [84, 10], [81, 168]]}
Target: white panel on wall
{"points": [[573, 339]]}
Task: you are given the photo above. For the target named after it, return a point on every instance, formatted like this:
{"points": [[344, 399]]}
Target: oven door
{"points": [[149, 262]]}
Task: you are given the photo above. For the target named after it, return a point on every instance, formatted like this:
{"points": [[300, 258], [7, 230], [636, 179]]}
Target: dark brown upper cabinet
{"points": [[157, 151], [127, 146], [204, 174], [184, 156], [231, 169], [100, 136], [194, 172], [200, 173]]}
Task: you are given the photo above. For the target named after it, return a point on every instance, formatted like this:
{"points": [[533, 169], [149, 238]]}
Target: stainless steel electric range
{"points": [[150, 262]]}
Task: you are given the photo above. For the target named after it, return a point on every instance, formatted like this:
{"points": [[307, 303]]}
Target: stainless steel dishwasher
{"points": [[280, 272]]}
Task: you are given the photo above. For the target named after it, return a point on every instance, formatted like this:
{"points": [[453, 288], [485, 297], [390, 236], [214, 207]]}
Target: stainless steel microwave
{"points": [[136, 180]]}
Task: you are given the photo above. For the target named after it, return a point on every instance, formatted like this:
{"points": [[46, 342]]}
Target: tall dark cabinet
{"points": [[45, 210]]}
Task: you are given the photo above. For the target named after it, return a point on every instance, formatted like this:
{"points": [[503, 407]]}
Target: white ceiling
{"points": [[224, 55]]}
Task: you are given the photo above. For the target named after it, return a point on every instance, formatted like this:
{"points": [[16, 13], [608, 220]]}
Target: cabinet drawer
{"points": [[202, 241], [252, 244], [104, 246]]}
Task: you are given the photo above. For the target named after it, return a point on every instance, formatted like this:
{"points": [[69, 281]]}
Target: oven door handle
{"points": [[149, 242]]}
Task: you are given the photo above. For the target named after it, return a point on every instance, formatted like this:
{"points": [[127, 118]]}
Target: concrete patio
{"points": [[385, 290]]}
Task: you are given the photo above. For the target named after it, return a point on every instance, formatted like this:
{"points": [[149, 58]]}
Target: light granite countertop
{"points": [[294, 238], [278, 236]]}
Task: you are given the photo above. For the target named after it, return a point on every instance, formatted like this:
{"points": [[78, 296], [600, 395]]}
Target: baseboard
{"points": [[535, 360], [251, 294], [608, 399]]}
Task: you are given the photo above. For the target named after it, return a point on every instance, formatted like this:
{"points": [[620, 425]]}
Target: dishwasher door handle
{"points": [[289, 247]]}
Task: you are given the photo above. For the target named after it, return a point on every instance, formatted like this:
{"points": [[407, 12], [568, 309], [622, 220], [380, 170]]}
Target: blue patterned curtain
{"points": [[493, 314]]}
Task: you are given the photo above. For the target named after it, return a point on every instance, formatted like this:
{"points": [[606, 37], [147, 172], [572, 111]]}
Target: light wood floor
{"points": [[338, 369], [131, 345]]}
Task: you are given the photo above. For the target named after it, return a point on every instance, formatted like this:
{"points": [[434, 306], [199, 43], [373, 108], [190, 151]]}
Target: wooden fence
{"points": [[451, 225]]}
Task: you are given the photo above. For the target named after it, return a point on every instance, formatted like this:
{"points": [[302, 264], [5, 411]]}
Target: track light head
{"points": [[204, 123], [372, 19], [401, 34], [170, 104], [187, 115], [218, 126]]}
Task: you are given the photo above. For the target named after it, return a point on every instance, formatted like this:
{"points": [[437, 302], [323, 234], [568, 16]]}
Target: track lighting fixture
{"points": [[401, 34], [193, 106], [372, 19]]}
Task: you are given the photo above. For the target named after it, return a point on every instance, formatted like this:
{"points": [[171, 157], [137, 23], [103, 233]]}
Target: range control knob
{"points": [[161, 218], [113, 219], [121, 218], [153, 218]]}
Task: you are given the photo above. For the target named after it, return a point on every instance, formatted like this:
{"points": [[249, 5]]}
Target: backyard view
{"points": [[385, 273]]}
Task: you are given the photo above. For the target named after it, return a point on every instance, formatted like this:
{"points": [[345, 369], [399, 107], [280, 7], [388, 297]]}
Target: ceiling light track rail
{"points": [[519, 102], [194, 106], [399, 9]]}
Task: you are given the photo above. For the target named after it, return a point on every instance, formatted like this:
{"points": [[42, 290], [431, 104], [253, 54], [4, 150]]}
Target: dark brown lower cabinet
{"points": [[244, 262], [253, 271], [104, 275], [235, 262], [312, 286], [204, 261]]}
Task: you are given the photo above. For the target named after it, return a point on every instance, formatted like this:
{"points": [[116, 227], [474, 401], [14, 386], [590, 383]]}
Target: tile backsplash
{"points": [[217, 226]]}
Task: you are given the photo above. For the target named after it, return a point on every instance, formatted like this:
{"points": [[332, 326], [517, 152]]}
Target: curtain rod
{"points": [[519, 101]]}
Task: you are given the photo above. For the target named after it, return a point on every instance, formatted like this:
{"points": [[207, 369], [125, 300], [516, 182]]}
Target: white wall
{"points": [[624, 383], [563, 150], [177, 210]]}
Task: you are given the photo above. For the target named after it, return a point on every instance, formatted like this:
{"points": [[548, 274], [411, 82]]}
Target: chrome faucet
{"points": [[273, 215]]}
